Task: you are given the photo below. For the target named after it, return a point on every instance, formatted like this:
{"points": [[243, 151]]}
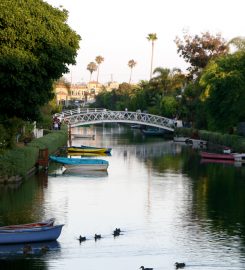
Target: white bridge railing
{"points": [[79, 117]]}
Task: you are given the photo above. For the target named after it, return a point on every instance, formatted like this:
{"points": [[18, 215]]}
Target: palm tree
{"points": [[91, 67], [152, 37], [131, 64], [99, 59], [168, 80]]}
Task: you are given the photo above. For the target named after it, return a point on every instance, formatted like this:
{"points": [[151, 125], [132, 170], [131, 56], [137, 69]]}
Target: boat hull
{"points": [[86, 167], [82, 163], [84, 149], [30, 235], [207, 155]]}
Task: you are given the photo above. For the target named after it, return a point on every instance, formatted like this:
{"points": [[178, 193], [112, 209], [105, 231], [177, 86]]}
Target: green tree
{"points": [[37, 46], [224, 93], [199, 50], [152, 37], [99, 59], [91, 67], [131, 64]]}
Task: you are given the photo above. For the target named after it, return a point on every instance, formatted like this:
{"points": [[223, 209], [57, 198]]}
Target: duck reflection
{"points": [[18, 251]]}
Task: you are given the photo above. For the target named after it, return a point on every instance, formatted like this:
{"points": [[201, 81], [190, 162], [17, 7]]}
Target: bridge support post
{"points": [[69, 134]]}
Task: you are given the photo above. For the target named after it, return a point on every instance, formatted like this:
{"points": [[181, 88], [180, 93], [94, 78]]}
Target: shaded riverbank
{"points": [[235, 142], [20, 162]]}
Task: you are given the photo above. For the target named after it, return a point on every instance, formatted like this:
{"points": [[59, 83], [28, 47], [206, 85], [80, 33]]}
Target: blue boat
{"points": [[82, 163], [28, 235]]}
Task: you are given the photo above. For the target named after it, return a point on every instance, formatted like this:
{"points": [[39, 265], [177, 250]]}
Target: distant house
{"points": [[80, 92], [111, 85]]}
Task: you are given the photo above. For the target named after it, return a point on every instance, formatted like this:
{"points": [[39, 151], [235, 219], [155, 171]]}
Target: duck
{"points": [[145, 268], [97, 236], [82, 238], [179, 265], [27, 249], [116, 233], [44, 249]]}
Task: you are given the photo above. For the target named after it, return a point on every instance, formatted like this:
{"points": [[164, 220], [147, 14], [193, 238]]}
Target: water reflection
{"points": [[170, 205], [17, 251]]}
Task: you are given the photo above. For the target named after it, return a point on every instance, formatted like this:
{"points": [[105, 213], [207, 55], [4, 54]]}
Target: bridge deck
{"points": [[79, 117]]}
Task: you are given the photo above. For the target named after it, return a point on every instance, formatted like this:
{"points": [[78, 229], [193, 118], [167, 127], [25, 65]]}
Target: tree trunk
{"points": [[130, 76], [98, 73], [152, 52]]}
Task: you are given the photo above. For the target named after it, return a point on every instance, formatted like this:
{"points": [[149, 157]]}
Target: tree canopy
{"points": [[224, 94], [37, 46], [199, 50]]}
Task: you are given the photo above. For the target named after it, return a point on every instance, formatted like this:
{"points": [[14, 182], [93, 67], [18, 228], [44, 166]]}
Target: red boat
{"points": [[207, 155], [219, 161]]}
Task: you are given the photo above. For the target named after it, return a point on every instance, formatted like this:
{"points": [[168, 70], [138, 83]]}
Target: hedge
{"points": [[235, 142], [19, 161]]}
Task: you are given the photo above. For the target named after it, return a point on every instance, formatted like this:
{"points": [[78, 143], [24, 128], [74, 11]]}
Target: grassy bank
{"points": [[16, 163], [235, 142]]}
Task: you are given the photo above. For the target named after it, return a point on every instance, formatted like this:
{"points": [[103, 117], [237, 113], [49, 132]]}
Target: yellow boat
{"points": [[88, 149], [87, 154]]}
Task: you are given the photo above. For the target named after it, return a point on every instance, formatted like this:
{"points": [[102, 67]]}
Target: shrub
{"points": [[19, 161]]}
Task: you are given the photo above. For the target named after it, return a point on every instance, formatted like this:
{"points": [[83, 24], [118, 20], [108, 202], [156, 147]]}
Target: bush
{"points": [[237, 143], [20, 160]]}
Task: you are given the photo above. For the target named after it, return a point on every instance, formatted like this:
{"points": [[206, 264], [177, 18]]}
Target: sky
{"points": [[117, 30]]}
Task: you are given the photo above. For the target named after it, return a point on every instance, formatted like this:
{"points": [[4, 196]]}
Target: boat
{"points": [[47, 223], [84, 136], [82, 163], [239, 157], [181, 139], [153, 132], [28, 235], [219, 161], [207, 155], [136, 126], [88, 149], [87, 154]]}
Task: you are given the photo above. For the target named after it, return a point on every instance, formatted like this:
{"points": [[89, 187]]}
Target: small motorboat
{"points": [[207, 155], [82, 163], [49, 222], [28, 235], [88, 149]]}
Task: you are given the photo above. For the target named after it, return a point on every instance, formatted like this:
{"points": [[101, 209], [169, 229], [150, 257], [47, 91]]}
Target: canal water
{"points": [[170, 205]]}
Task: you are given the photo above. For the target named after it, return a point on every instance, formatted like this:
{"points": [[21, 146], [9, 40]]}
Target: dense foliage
{"points": [[19, 161], [199, 50], [211, 96], [158, 96], [224, 95], [36, 47]]}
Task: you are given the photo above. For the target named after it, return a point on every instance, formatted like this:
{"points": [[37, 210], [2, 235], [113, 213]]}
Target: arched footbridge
{"points": [[79, 117]]}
